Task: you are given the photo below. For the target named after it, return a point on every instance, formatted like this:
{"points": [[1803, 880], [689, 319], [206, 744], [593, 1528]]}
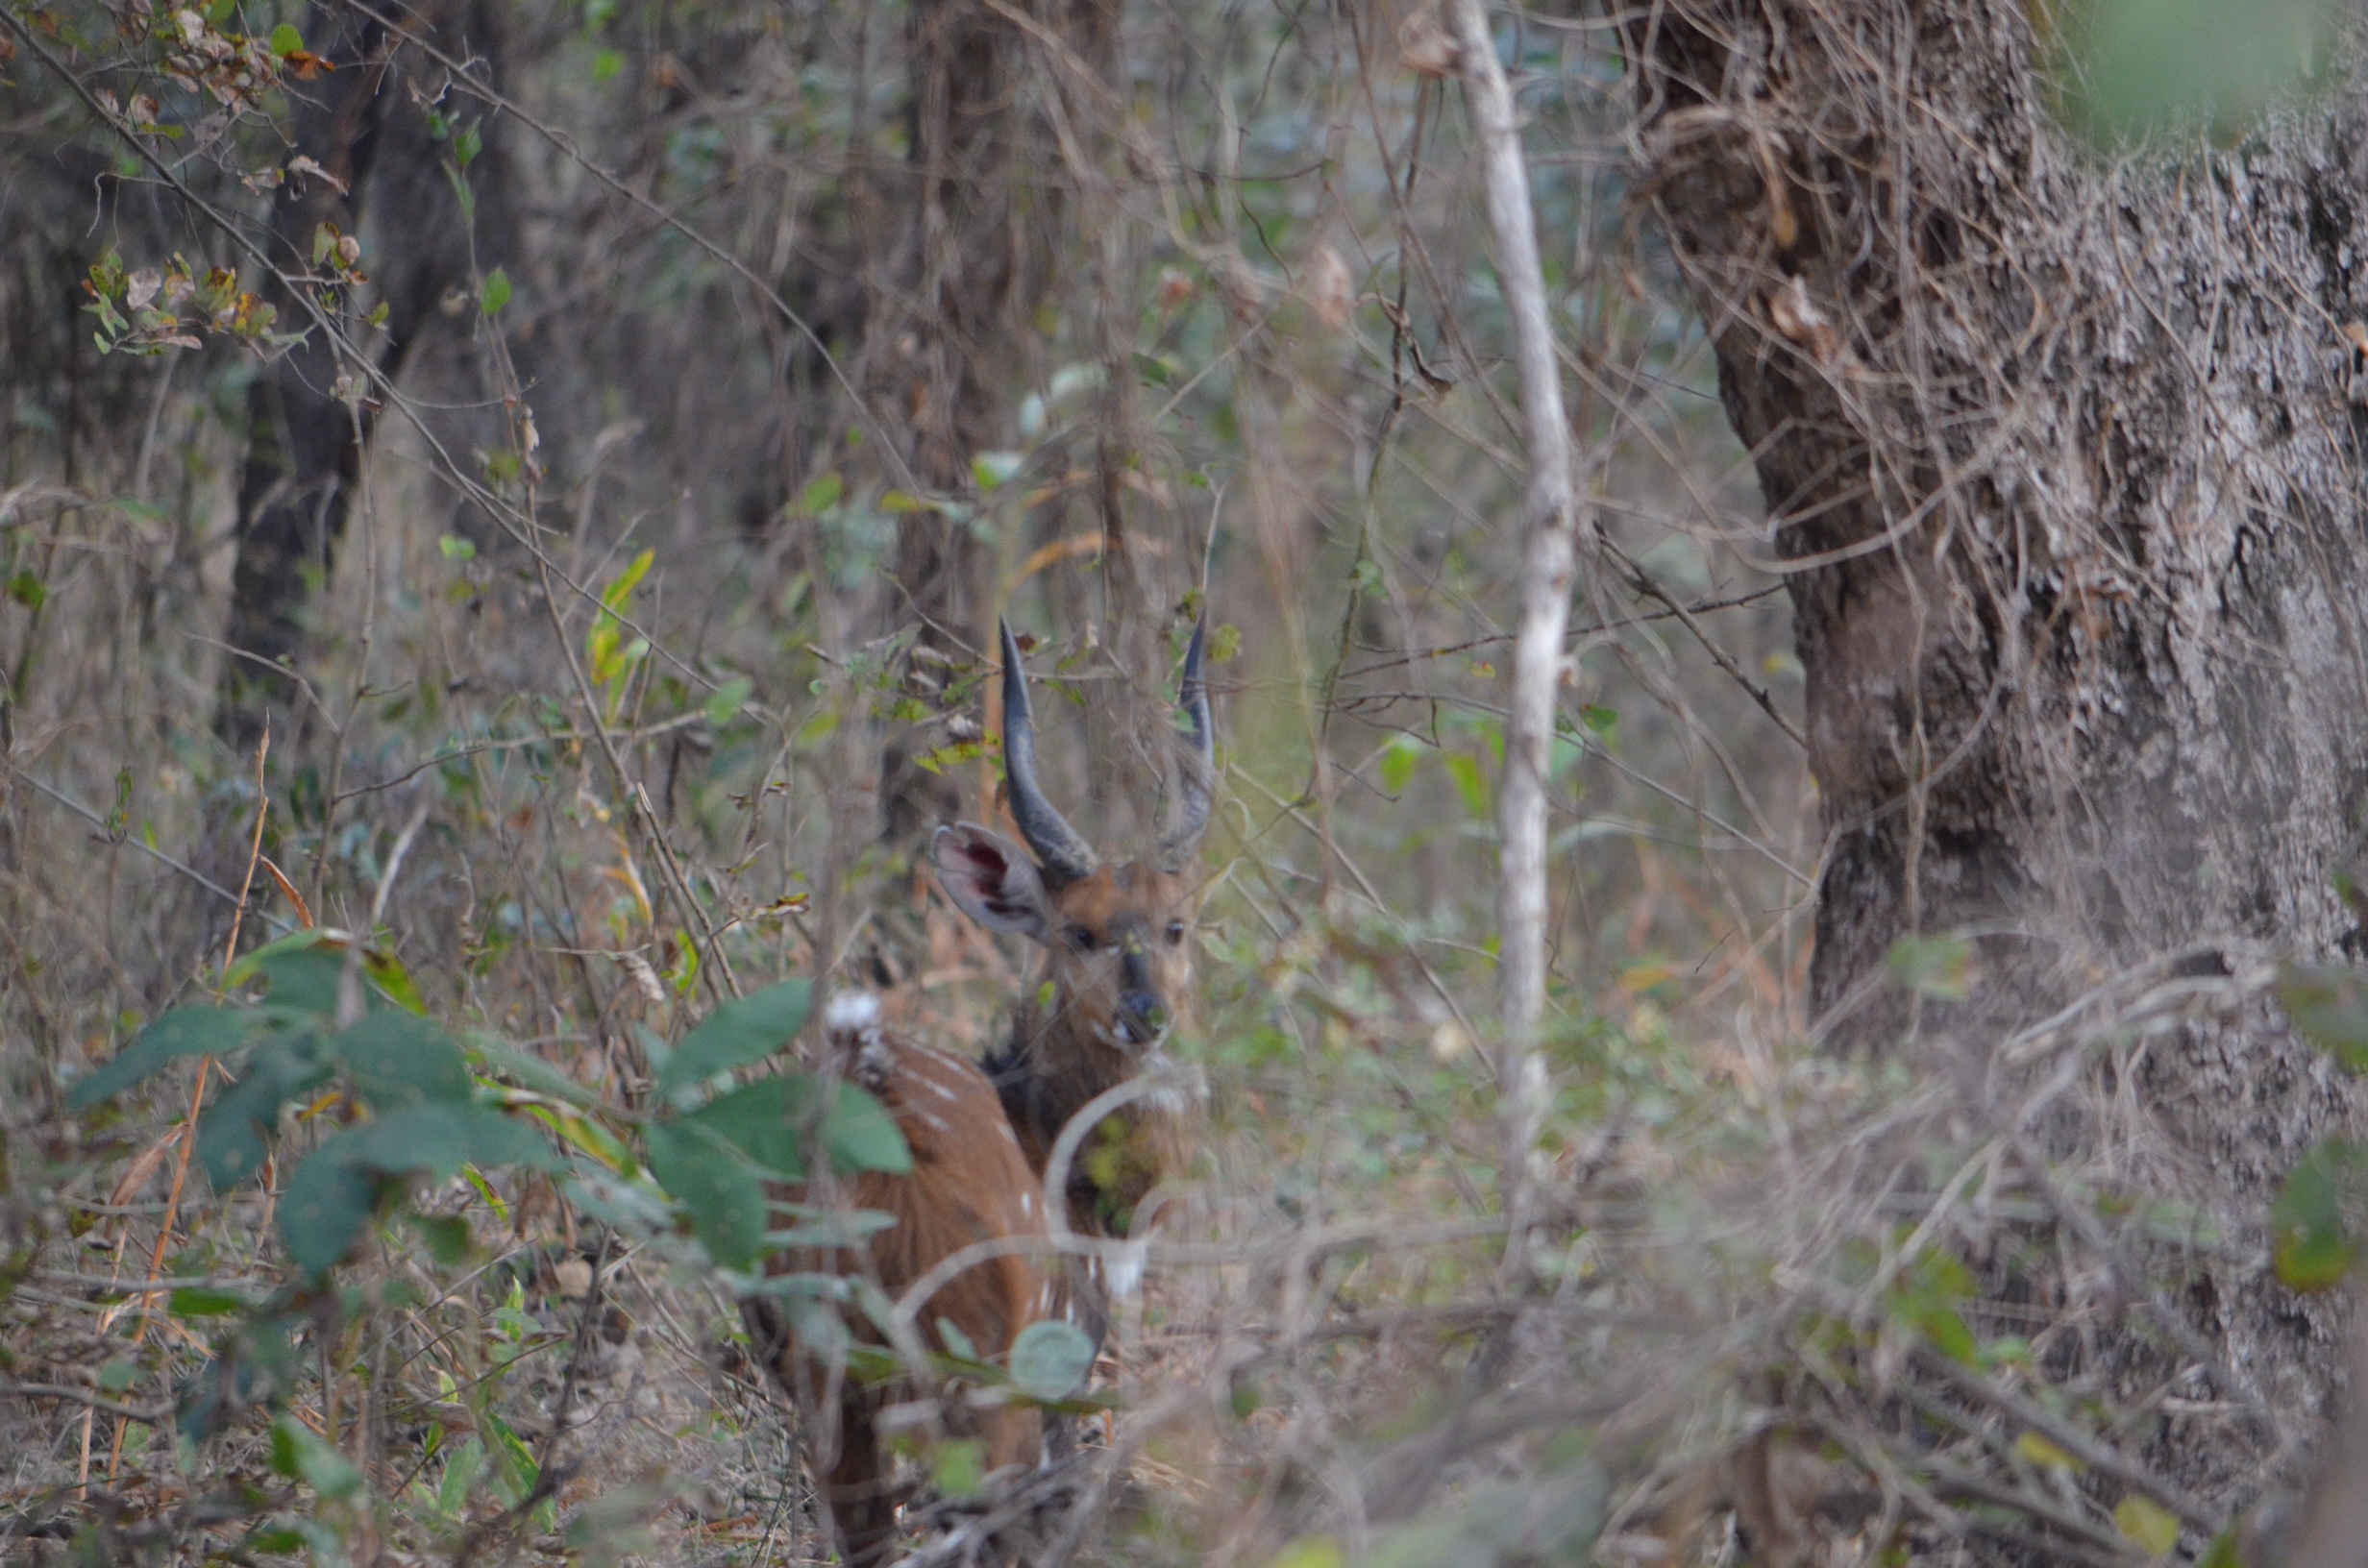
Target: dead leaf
{"points": [[1797, 316], [301, 165], [1425, 46], [1328, 289]]}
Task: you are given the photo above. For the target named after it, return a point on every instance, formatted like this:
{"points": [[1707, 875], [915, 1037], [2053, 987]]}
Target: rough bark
{"points": [[2062, 459]]}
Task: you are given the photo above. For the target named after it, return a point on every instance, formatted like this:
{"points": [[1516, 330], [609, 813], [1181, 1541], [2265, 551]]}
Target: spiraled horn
{"points": [[1063, 856], [1199, 767]]}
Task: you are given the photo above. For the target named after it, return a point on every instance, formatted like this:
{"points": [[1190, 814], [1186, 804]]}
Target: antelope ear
{"points": [[995, 884]]}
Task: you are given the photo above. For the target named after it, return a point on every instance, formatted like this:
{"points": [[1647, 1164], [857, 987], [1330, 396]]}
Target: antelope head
{"points": [[1116, 936]]}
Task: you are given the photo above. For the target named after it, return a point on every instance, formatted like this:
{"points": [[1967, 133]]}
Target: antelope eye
{"points": [[1176, 933], [1081, 938]]}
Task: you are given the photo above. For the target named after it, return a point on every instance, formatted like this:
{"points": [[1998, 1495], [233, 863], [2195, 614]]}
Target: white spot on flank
{"points": [[943, 1091], [1028, 1203], [1009, 1136], [932, 1119]]}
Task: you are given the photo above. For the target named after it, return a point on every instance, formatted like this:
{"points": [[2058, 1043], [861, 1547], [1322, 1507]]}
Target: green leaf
{"points": [[328, 1200], [532, 1071], [2329, 1003], [2224, 1552], [957, 1343], [1604, 721], [285, 40], [511, 1456], [861, 1136], [467, 142], [119, 1375], [27, 590], [447, 1237], [300, 1455], [822, 494], [234, 1135], [762, 1122], [1051, 1360], [496, 292], [719, 1190], [198, 1302], [1397, 761], [438, 1140], [606, 64], [181, 1032], [2314, 1246], [1942, 968], [460, 1473], [736, 1034], [302, 970], [1473, 784], [2148, 1523], [725, 700], [397, 1059], [959, 1467]]}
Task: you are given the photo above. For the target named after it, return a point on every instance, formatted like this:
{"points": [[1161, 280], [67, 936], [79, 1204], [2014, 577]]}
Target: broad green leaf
{"points": [[719, 1190], [438, 1140], [1050, 1358], [762, 1123], [328, 1200], [398, 1059], [736, 1034], [2329, 1003], [285, 40], [1941, 967], [957, 1343], [300, 1455], [236, 1133], [861, 1136], [301, 968], [1398, 762], [2148, 1523], [2314, 1245], [182, 1032], [496, 292], [198, 1302]]}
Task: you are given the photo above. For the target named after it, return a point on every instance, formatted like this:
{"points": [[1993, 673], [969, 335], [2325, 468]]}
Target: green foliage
{"points": [[736, 1034], [1050, 1358]]}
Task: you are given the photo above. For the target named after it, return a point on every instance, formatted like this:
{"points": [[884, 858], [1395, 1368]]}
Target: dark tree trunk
{"points": [[2064, 462], [368, 124]]}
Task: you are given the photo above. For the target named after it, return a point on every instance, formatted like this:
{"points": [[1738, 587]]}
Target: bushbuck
{"points": [[1117, 977], [1118, 962]]}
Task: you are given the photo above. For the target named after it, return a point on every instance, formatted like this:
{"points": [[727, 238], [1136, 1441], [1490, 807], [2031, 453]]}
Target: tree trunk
{"points": [[306, 443], [2062, 462]]}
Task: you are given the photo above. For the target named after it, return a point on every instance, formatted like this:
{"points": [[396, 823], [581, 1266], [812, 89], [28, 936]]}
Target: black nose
{"points": [[1146, 1016]]}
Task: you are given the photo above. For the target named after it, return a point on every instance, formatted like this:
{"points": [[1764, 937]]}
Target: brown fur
{"points": [[969, 1184], [1066, 1046]]}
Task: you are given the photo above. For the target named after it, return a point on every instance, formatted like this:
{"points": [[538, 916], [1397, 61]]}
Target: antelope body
{"points": [[1118, 975]]}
